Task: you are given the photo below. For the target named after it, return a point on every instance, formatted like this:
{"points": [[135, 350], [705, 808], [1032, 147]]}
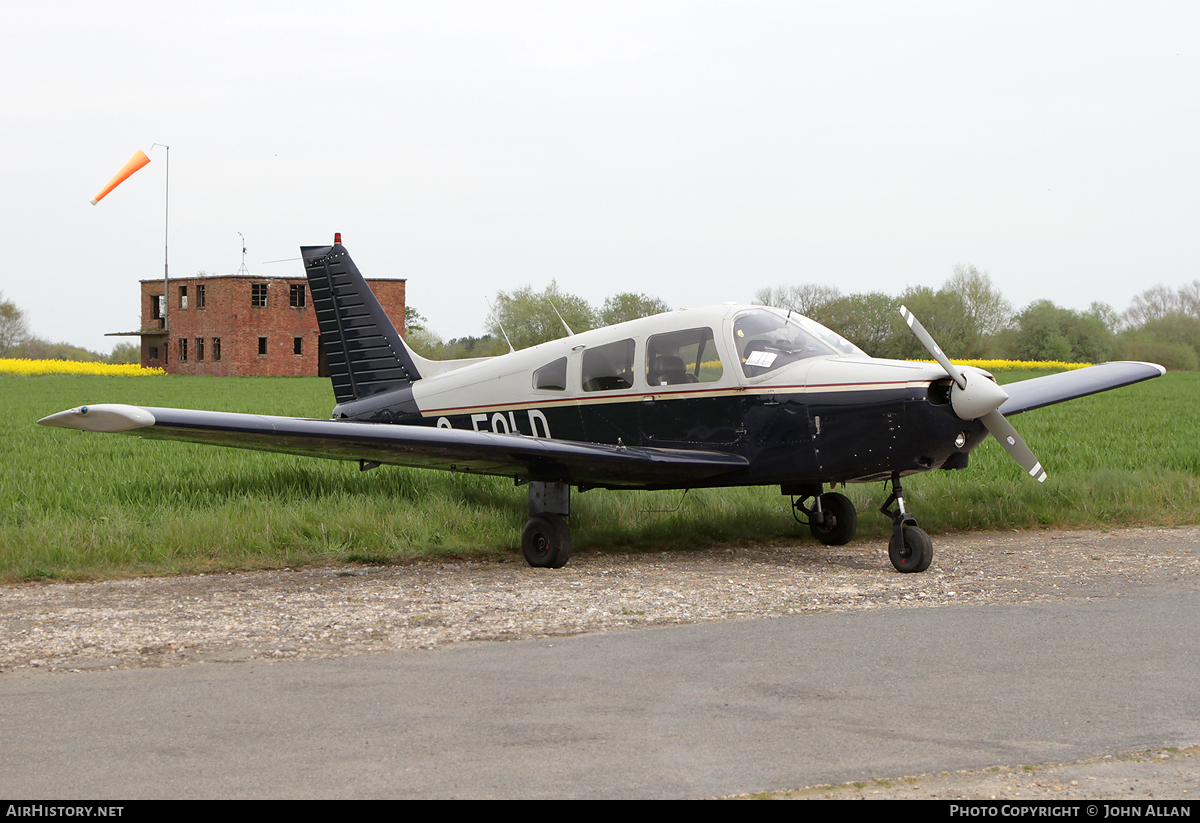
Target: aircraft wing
{"points": [[428, 447], [1026, 395]]}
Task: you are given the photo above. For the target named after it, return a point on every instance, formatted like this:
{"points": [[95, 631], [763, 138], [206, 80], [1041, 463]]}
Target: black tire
{"points": [[841, 520], [916, 552], [546, 541]]}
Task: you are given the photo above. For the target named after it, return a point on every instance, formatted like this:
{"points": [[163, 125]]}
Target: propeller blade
{"points": [[932, 347], [1004, 432], [981, 402]]}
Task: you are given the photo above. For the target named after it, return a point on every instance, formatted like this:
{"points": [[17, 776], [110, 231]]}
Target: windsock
{"points": [[136, 162]]}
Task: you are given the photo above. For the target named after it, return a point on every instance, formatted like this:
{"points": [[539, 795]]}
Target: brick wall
{"points": [[227, 315]]}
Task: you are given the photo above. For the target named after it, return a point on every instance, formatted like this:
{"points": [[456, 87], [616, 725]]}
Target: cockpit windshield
{"points": [[767, 339]]}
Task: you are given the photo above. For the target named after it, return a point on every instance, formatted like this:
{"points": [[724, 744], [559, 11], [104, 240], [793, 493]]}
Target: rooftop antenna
{"points": [[560, 318], [243, 269]]}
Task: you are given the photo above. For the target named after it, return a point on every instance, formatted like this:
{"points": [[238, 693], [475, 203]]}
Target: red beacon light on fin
{"points": [[337, 238]]}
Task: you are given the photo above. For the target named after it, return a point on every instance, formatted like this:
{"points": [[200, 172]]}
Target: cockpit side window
{"points": [[682, 357], [766, 341], [552, 376], [608, 367]]}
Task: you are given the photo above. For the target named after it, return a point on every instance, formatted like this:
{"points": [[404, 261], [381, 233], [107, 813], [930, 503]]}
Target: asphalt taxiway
{"points": [[665, 712]]}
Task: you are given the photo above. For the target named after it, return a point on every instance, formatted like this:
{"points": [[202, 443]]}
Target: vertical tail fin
{"points": [[364, 351]]}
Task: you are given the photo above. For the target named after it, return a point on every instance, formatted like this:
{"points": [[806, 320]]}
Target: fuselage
{"points": [[800, 403]]}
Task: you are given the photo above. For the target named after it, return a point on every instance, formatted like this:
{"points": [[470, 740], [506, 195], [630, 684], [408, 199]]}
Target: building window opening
{"points": [[216, 349], [156, 307], [153, 352], [258, 295], [200, 297], [298, 345], [183, 298], [182, 349], [199, 349], [299, 298], [262, 345]]}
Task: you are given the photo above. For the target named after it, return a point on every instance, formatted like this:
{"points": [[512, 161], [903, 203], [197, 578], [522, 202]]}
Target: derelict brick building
{"points": [[237, 325]]}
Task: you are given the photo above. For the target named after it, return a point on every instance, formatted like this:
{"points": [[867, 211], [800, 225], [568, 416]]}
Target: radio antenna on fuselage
{"points": [[560, 318], [501, 325]]}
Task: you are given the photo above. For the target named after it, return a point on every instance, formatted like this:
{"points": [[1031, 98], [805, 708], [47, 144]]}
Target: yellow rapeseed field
{"points": [[1018, 365], [31, 368]]}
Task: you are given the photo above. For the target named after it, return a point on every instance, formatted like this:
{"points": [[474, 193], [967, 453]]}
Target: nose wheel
{"points": [[910, 548]]}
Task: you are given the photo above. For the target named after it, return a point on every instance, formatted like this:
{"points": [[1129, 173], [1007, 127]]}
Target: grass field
{"points": [[77, 504]]}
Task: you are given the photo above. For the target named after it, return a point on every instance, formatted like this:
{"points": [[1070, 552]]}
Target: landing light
{"points": [[961, 440]]}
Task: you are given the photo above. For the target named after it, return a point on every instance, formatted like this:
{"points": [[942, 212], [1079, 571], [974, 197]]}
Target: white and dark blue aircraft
{"points": [[723, 396]]}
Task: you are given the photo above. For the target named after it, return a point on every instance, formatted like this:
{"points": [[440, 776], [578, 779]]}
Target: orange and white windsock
{"points": [[136, 162]]}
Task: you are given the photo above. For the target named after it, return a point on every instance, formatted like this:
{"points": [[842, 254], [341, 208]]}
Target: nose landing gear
{"points": [[910, 548]]}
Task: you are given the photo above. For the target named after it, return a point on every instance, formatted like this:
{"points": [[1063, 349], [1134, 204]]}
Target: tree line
{"points": [[968, 316], [524, 317], [970, 319], [17, 343]]}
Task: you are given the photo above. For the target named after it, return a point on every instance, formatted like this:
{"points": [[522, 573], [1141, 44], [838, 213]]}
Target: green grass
{"points": [[78, 504]]}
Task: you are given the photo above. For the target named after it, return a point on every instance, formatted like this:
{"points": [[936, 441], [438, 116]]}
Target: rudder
{"points": [[364, 351]]}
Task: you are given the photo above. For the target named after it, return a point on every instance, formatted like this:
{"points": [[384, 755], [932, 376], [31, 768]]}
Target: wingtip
{"points": [[105, 417]]}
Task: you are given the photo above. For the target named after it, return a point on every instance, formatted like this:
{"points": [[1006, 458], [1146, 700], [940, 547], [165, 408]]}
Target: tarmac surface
{"points": [[979, 699]]}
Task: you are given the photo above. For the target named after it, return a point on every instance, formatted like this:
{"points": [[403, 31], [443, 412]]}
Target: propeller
{"points": [[974, 397]]}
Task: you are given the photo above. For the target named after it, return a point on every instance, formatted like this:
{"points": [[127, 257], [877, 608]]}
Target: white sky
{"points": [[694, 151]]}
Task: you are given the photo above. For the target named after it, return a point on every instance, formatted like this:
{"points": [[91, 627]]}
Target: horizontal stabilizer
{"points": [[1026, 395]]}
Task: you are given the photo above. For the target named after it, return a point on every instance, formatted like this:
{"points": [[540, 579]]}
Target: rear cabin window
{"points": [[608, 367], [552, 376], [682, 357]]}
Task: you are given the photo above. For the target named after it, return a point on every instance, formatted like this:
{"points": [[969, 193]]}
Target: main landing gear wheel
{"points": [[839, 520], [911, 553], [546, 541]]}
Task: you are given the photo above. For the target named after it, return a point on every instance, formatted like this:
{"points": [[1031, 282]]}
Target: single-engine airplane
{"points": [[723, 396]]}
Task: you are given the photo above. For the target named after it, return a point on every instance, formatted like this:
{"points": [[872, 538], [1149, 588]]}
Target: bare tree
{"points": [[13, 329], [1154, 303], [810, 299], [988, 313], [1189, 298]]}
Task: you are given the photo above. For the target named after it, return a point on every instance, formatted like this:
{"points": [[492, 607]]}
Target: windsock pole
{"points": [[166, 236], [136, 162]]}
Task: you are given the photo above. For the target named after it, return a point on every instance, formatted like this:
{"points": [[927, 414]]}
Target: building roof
{"points": [[255, 277]]}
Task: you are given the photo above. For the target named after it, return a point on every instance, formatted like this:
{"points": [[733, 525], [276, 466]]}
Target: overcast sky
{"points": [[694, 151]]}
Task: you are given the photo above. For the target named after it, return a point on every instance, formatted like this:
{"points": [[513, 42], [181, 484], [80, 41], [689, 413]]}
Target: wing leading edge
{"points": [[521, 456], [1027, 395]]}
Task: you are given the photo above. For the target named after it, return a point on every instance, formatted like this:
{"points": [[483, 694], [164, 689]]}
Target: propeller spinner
{"points": [[974, 397]]}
